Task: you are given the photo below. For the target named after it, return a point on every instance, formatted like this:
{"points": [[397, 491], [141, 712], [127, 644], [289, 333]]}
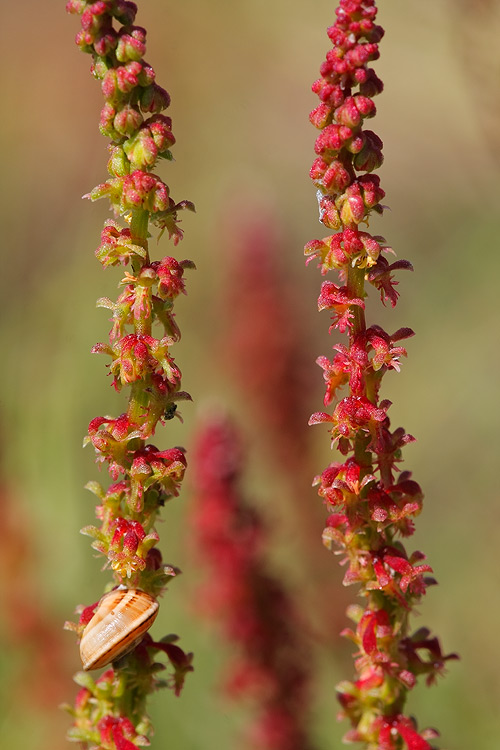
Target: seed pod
{"points": [[121, 619]]}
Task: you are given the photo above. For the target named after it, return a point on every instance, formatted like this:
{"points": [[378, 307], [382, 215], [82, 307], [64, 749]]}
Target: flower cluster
{"points": [[131, 117], [139, 347], [371, 505], [96, 720], [272, 664]]}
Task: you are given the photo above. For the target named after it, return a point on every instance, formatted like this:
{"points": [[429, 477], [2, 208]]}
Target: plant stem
{"points": [[356, 288], [139, 231]]}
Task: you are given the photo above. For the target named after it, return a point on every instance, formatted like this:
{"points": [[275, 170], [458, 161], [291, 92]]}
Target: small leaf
{"points": [[85, 680], [96, 489], [92, 531]]}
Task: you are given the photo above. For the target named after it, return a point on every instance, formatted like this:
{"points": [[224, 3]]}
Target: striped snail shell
{"points": [[121, 619]]}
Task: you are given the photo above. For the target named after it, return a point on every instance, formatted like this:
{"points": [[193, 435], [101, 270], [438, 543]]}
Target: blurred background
{"points": [[239, 75]]}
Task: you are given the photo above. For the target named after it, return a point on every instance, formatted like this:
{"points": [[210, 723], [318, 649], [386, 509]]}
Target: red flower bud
{"points": [[154, 99], [131, 44], [127, 120]]}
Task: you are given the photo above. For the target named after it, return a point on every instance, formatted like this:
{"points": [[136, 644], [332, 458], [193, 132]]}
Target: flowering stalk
{"points": [[39, 680], [371, 507], [110, 712], [255, 612], [272, 375], [271, 368]]}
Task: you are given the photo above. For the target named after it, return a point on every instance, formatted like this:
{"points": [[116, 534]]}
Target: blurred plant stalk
{"points": [[110, 712], [371, 504], [273, 374], [271, 663], [27, 625]]}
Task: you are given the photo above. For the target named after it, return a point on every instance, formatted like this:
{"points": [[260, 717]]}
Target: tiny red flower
{"points": [[340, 300]]}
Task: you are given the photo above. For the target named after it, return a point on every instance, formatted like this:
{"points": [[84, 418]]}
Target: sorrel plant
{"points": [[110, 712], [371, 503], [270, 662]]}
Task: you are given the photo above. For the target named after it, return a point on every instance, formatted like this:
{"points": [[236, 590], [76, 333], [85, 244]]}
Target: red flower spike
{"points": [[111, 711], [250, 606], [370, 508]]}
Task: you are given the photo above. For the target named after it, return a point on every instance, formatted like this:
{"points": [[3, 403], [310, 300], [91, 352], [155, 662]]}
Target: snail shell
{"points": [[121, 618]]}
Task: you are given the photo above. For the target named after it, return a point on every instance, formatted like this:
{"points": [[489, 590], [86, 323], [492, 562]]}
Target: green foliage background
{"points": [[239, 75]]}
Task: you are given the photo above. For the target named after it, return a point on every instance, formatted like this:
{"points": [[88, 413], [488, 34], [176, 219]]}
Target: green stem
{"points": [[386, 478], [356, 288], [138, 402], [139, 231]]}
